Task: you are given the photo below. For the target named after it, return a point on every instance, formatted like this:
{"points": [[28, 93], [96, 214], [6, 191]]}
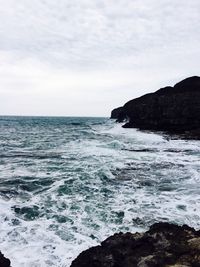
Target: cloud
{"points": [[92, 54]]}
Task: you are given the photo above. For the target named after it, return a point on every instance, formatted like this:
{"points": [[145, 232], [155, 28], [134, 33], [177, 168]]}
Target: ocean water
{"points": [[68, 183]]}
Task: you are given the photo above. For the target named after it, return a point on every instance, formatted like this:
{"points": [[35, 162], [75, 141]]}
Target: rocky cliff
{"points": [[163, 245], [173, 109]]}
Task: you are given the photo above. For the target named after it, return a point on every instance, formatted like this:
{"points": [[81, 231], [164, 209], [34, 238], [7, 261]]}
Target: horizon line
{"points": [[56, 116]]}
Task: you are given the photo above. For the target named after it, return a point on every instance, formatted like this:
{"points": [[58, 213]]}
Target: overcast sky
{"points": [[86, 57]]}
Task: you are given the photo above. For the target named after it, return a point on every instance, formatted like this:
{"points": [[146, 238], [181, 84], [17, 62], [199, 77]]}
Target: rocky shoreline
{"points": [[164, 245], [175, 110]]}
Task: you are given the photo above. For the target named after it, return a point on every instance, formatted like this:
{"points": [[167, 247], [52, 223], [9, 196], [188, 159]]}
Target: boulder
{"points": [[163, 245]]}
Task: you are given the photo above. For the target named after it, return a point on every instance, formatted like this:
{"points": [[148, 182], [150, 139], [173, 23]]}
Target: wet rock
{"points": [[163, 245], [171, 109], [4, 262]]}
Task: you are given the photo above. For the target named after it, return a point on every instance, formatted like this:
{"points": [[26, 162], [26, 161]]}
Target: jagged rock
{"points": [[173, 109], [164, 245], [4, 262]]}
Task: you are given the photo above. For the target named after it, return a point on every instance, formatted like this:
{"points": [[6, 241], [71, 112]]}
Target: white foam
{"points": [[110, 189]]}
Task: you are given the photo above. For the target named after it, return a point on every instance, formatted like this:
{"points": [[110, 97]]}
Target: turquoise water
{"points": [[68, 183]]}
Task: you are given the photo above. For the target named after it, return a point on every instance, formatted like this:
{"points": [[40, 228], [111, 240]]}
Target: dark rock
{"points": [[141, 150], [172, 109], [3, 261], [163, 245], [118, 114]]}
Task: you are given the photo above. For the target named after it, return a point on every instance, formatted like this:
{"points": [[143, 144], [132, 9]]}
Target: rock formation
{"points": [[173, 109], [118, 114], [164, 245], [3, 261]]}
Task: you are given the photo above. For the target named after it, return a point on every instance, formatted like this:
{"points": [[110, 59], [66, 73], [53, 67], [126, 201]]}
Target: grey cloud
{"points": [[74, 32], [60, 49]]}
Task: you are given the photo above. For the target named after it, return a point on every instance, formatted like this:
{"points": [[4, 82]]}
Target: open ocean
{"points": [[66, 184]]}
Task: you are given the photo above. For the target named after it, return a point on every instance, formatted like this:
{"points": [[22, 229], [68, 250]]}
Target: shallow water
{"points": [[68, 183]]}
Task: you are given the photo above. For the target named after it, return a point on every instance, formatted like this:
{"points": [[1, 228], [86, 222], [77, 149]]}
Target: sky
{"points": [[86, 57]]}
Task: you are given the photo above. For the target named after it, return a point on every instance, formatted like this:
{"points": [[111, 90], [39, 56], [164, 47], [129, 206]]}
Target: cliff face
{"points": [[173, 109], [163, 245]]}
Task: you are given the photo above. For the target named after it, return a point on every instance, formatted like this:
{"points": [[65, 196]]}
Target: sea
{"points": [[67, 183]]}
